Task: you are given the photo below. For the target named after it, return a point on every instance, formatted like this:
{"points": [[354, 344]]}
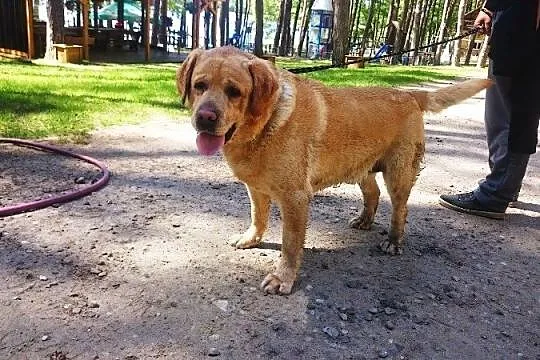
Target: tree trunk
{"points": [[423, 31], [277, 37], [415, 38], [340, 31], [55, 27], [442, 28], [367, 28], [259, 22], [400, 35], [163, 28], [155, 23], [456, 58], [238, 21], [305, 26], [354, 16], [295, 25], [470, 49], [224, 22], [483, 55], [390, 35], [285, 29]]}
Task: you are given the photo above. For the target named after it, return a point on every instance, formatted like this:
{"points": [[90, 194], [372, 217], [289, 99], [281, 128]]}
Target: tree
{"points": [[483, 55], [340, 31], [456, 58], [306, 15], [277, 37], [285, 29], [155, 23], [447, 8], [367, 28], [390, 35], [55, 27], [415, 33], [401, 29], [259, 22]]}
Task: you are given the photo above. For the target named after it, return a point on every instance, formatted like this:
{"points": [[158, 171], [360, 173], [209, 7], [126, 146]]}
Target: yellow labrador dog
{"points": [[287, 137]]}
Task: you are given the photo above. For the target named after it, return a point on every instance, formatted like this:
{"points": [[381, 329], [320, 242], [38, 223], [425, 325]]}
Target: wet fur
{"points": [[295, 136]]}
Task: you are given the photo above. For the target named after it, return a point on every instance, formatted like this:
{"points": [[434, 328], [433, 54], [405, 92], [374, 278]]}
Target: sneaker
{"points": [[467, 203]]}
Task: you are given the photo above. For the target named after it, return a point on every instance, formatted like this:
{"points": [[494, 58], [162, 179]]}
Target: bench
{"points": [[357, 65], [69, 53]]}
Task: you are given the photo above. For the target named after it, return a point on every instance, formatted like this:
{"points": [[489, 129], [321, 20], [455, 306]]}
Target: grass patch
{"points": [[39, 100], [69, 101]]}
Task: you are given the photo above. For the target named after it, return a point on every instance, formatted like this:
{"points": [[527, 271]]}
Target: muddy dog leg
{"points": [[370, 193], [260, 209], [400, 179], [294, 212]]}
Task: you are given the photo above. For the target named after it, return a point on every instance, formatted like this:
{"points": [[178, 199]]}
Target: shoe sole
{"points": [[486, 214]]}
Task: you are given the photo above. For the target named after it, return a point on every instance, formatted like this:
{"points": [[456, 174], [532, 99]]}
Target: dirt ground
{"points": [[142, 268]]}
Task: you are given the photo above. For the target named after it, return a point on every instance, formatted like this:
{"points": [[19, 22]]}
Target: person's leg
{"points": [[501, 186], [503, 183]]}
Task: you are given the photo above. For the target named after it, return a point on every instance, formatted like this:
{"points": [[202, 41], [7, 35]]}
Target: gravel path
{"points": [[142, 269]]}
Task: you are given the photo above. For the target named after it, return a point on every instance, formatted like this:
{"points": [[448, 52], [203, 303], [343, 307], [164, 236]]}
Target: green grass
{"points": [[69, 101]]}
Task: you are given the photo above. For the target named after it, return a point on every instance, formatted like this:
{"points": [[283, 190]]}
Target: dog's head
{"points": [[231, 93]]}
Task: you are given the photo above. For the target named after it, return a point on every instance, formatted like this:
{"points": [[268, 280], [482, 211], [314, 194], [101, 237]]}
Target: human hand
{"points": [[483, 22]]}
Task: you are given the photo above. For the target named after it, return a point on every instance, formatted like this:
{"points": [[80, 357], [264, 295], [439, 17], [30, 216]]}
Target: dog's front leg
{"points": [[294, 212], [260, 209]]}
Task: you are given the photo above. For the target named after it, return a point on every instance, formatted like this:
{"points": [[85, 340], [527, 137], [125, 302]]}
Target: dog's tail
{"points": [[435, 101]]}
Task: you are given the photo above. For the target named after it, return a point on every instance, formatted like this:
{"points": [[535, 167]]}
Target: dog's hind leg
{"points": [[399, 179], [294, 211], [370, 193], [260, 210]]}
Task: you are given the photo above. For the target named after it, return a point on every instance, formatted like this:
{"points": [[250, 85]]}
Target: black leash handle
{"points": [[308, 69]]}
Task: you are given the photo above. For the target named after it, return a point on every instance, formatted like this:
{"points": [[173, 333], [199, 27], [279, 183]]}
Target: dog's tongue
{"points": [[209, 144]]}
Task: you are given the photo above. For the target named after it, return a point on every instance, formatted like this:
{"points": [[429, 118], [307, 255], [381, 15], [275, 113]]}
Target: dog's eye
{"points": [[200, 86], [232, 92]]}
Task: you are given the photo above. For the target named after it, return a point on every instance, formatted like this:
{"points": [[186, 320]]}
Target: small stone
{"points": [[373, 310], [309, 288], [44, 338], [76, 310], [389, 325], [80, 180], [102, 274], [505, 334], [214, 352], [389, 311], [54, 283], [331, 331], [93, 304], [343, 316], [455, 278], [43, 278], [223, 305], [214, 337], [383, 354], [16, 298]]}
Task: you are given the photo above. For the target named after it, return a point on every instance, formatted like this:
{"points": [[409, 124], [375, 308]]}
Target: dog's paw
{"points": [[273, 285], [245, 241], [362, 222], [390, 248]]}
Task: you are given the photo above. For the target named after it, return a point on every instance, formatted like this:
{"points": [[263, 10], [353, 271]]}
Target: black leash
{"points": [[303, 70]]}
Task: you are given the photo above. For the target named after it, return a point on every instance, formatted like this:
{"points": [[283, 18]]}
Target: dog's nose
{"points": [[206, 115], [206, 118]]}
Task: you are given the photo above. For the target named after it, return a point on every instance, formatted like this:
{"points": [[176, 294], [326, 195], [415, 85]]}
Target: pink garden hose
{"points": [[62, 197]]}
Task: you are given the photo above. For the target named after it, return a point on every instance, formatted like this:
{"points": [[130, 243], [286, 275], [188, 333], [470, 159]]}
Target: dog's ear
{"points": [[265, 86], [183, 74]]}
